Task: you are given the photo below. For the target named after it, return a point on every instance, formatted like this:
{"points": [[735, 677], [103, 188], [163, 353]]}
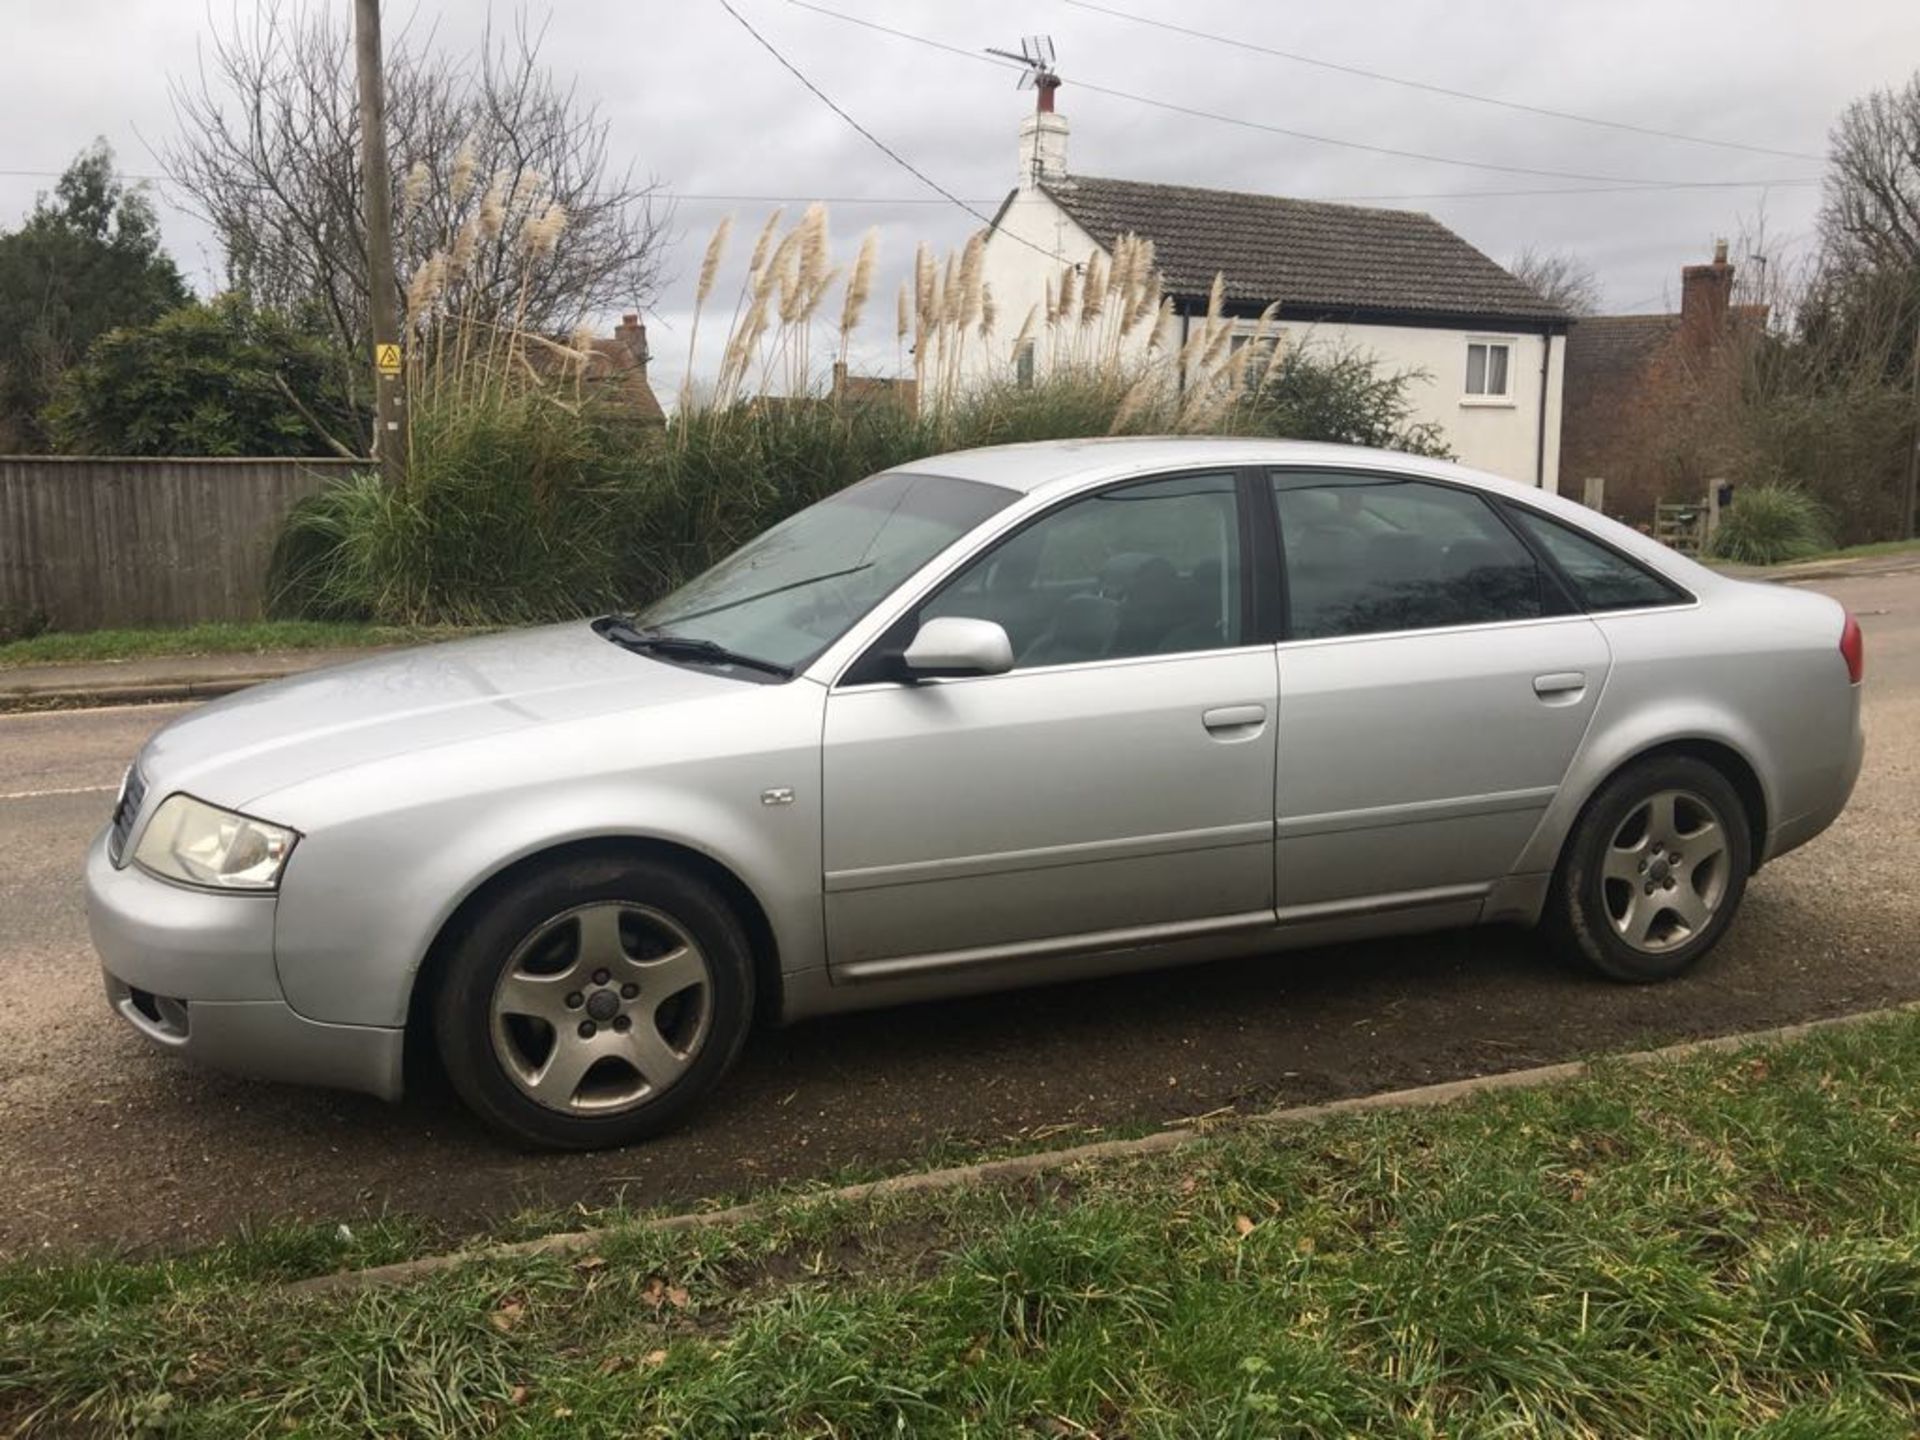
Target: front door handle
{"points": [[1229, 718], [1560, 682]]}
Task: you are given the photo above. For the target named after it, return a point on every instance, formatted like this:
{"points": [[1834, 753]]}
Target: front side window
{"points": [[1603, 579], [792, 591], [1489, 369], [1366, 554], [1147, 569]]}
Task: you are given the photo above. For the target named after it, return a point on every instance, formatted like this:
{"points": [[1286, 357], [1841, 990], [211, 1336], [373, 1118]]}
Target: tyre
{"points": [[1654, 870], [594, 1003]]}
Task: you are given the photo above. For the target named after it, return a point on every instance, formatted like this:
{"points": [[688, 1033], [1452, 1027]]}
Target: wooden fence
{"points": [[90, 543]]}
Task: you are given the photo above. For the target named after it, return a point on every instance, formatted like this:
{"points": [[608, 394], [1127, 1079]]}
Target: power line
{"points": [[1198, 113], [1439, 89], [871, 138]]}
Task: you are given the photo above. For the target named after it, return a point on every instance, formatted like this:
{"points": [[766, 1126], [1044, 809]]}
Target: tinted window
{"points": [[1366, 555], [1151, 569], [1602, 579]]}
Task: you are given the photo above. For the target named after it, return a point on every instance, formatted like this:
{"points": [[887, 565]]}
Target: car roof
{"points": [[1060, 467], [1067, 464]]}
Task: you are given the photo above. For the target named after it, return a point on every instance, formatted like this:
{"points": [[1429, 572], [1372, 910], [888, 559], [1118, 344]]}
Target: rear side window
{"points": [[1367, 554], [1602, 579]]}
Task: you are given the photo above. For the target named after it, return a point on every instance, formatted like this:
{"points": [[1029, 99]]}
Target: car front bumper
{"points": [[193, 972]]}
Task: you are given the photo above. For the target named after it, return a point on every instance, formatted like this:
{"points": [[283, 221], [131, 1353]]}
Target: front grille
{"points": [[133, 790]]}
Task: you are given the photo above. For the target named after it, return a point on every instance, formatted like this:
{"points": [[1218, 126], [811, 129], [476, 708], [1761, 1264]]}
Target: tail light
{"points": [[1853, 649]]}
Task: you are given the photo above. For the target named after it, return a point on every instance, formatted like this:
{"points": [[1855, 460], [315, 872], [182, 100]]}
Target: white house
{"points": [[1393, 283]]}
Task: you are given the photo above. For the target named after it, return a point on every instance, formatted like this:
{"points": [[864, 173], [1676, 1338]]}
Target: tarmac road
{"points": [[103, 1141]]}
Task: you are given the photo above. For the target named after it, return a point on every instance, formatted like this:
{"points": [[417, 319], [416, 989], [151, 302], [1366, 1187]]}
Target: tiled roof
{"points": [[1306, 254], [1604, 348]]}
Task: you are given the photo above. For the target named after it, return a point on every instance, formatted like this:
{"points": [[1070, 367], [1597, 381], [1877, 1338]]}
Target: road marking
{"points": [[69, 790]]}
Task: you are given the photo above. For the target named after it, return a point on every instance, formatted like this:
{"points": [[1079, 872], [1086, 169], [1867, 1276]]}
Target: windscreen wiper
{"points": [[658, 642]]}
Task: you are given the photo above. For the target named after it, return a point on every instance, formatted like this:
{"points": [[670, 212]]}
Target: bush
{"points": [[1769, 524], [207, 379], [525, 509]]}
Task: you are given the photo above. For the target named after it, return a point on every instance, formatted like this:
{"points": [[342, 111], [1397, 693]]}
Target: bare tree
{"points": [[485, 150], [1870, 215], [1559, 276]]}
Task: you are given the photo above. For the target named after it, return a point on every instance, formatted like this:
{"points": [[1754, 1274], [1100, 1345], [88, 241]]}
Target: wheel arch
{"points": [[1738, 770], [761, 939]]}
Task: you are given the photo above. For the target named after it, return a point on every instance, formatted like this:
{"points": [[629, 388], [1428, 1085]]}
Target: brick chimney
{"points": [[1043, 144], [631, 333], [1706, 297]]}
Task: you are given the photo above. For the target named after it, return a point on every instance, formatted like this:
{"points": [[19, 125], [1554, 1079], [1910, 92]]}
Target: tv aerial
{"points": [[1036, 62]]}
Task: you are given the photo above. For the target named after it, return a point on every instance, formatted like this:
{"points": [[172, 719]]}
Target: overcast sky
{"points": [[693, 100]]}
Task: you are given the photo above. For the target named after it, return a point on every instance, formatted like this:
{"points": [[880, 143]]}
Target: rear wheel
{"points": [[594, 1003], [1654, 870]]}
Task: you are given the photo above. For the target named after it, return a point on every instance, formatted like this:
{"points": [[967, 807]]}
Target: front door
{"points": [[1435, 686], [1114, 787]]}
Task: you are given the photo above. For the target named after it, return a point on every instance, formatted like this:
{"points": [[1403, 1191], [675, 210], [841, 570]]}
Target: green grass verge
{"points": [[1729, 1246], [64, 647], [1878, 547], [1850, 552]]}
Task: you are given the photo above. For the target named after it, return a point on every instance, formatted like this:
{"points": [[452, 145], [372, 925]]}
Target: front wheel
{"points": [[594, 1003], [1654, 870]]}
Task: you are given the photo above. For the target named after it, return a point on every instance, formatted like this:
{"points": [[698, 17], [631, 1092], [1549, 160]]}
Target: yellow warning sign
{"points": [[386, 359]]}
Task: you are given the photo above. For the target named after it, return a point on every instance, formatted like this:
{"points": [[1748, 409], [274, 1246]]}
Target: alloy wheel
{"points": [[1665, 871], [601, 1008]]}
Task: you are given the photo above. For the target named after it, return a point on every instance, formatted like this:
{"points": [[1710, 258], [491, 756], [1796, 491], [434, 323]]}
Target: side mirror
{"points": [[951, 645]]}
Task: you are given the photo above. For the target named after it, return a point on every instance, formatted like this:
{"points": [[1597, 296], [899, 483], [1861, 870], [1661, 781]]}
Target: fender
{"points": [[348, 953]]}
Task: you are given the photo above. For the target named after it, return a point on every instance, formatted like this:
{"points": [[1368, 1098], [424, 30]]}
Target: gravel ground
{"points": [[107, 1142]]}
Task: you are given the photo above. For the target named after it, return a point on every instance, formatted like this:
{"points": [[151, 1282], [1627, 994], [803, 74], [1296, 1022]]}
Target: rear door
{"points": [[1436, 682]]}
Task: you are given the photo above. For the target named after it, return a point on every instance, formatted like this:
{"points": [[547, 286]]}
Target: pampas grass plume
{"points": [[762, 245], [542, 232], [460, 182], [710, 263], [414, 190], [859, 283]]}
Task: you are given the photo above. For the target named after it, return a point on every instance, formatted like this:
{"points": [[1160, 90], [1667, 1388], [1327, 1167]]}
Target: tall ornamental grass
{"points": [[1769, 524], [529, 497]]}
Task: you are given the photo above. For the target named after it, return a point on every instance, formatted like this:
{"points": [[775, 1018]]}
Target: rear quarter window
{"points": [[1602, 578]]}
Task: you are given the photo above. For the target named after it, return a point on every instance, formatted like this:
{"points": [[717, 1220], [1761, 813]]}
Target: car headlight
{"points": [[200, 844]]}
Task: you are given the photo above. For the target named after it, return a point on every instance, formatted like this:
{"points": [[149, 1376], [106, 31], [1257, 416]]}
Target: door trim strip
{"points": [[1048, 857], [1091, 942], [1418, 812], [1379, 904]]}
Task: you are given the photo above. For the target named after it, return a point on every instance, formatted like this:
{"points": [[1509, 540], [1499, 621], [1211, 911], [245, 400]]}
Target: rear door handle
{"points": [[1560, 682], [1233, 717]]}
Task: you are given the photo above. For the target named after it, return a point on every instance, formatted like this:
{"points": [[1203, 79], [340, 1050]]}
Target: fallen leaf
{"points": [[1243, 1224], [1189, 1185], [676, 1297], [517, 1395], [506, 1317], [590, 1262], [613, 1363], [654, 1357]]}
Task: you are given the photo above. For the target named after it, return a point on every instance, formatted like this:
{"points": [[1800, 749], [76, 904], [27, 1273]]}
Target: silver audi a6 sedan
{"points": [[990, 719]]}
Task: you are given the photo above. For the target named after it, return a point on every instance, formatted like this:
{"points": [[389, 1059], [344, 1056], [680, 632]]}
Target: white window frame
{"points": [[1504, 398]]}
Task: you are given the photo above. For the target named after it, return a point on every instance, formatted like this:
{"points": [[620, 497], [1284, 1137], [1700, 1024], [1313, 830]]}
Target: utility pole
{"points": [[389, 395], [1910, 517]]}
